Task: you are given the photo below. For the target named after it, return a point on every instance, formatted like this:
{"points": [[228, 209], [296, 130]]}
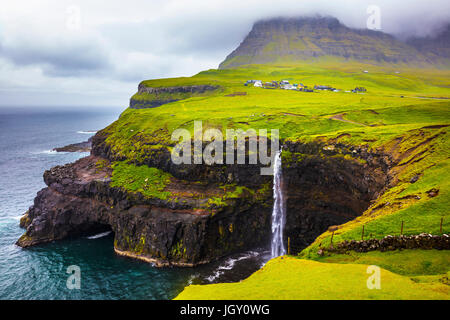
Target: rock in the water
{"points": [[76, 147]]}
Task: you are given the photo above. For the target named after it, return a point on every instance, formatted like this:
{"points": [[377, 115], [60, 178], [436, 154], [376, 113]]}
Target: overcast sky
{"points": [[58, 53]]}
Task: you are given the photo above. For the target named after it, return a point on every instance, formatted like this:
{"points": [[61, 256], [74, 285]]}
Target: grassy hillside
{"points": [[405, 113], [297, 114], [290, 278]]}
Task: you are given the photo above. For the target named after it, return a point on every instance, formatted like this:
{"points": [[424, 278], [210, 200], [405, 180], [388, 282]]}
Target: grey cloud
{"points": [[57, 59], [125, 43], [217, 31]]}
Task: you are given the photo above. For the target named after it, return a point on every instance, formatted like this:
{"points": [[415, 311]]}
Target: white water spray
{"points": [[279, 211]]}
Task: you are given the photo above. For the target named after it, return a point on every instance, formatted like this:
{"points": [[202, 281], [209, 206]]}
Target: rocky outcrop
{"points": [[177, 89], [151, 97], [324, 184], [328, 185], [242, 174], [84, 146], [79, 201]]}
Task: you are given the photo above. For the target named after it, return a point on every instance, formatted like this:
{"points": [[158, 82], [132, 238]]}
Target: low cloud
{"points": [[112, 45], [58, 59]]}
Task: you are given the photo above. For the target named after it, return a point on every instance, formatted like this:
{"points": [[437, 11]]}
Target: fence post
{"points": [[289, 245], [362, 234], [331, 241]]}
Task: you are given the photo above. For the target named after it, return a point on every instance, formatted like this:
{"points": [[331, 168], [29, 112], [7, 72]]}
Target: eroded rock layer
{"points": [[79, 201], [324, 186]]}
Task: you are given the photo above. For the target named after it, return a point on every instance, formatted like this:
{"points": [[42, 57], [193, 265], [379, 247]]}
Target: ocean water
{"points": [[27, 137]]}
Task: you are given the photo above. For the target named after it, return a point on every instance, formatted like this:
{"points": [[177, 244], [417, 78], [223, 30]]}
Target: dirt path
{"points": [[293, 114], [340, 117]]}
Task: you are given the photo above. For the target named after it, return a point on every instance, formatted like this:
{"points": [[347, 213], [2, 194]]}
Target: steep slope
{"points": [[436, 47], [289, 40]]}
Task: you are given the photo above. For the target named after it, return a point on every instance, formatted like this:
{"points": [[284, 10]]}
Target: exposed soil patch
{"points": [[437, 126], [340, 117], [293, 114], [235, 94], [341, 136]]}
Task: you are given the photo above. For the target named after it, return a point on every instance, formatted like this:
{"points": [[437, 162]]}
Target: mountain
{"points": [[434, 47], [293, 39]]}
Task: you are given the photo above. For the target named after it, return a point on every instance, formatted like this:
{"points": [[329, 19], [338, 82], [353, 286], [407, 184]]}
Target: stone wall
{"points": [[390, 243]]}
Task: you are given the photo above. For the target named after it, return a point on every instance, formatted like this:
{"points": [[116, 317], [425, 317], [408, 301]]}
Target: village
{"points": [[286, 85]]}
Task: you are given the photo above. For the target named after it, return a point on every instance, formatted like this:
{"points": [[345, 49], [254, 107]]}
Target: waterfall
{"points": [[279, 211]]}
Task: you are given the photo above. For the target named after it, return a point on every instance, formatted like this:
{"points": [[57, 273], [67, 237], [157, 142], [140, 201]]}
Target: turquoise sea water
{"points": [[27, 137]]}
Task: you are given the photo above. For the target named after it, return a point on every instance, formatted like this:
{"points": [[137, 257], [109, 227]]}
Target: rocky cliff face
{"points": [[80, 201], [323, 188], [150, 97], [434, 47], [328, 185], [242, 174], [293, 39]]}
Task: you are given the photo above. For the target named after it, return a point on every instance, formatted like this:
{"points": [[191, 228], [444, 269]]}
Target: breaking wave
{"points": [[229, 265], [99, 235]]}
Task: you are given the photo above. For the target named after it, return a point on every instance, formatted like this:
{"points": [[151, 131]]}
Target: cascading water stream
{"points": [[279, 211]]}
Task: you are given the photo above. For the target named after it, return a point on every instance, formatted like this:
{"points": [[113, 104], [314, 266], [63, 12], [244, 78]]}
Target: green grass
{"points": [[403, 262], [262, 108], [290, 278], [405, 202], [150, 182], [306, 116], [378, 118], [394, 116], [141, 98]]}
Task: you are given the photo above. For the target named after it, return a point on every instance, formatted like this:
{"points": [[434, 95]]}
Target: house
{"points": [[304, 88], [270, 85], [284, 84], [258, 83], [359, 89], [324, 88], [290, 87]]}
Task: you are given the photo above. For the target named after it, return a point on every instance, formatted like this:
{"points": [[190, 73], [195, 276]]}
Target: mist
{"points": [[96, 53]]}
